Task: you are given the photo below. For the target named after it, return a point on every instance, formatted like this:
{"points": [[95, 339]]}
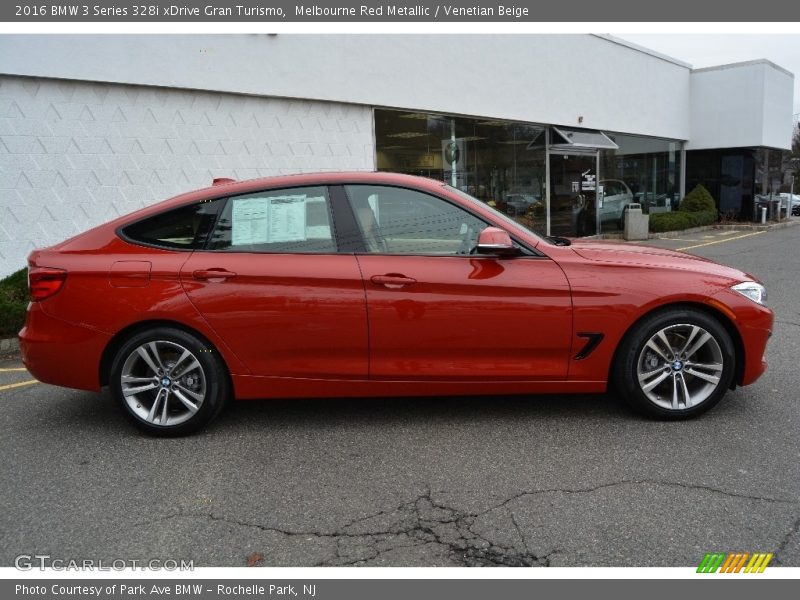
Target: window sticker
{"points": [[287, 219], [249, 221], [269, 220]]}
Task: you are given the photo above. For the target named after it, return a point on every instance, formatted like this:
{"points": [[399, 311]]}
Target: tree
{"points": [[791, 161]]}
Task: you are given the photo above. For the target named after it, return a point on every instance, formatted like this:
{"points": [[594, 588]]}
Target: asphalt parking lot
{"points": [[561, 481]]}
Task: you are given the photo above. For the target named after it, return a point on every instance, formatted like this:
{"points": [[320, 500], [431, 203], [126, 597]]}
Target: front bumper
{"points": [[754, 324]]}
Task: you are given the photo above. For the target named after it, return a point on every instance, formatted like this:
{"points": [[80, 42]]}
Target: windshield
{"points": [[500, 216]]}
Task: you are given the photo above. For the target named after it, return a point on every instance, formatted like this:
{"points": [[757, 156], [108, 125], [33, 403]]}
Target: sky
{"points": [[707, 50]]}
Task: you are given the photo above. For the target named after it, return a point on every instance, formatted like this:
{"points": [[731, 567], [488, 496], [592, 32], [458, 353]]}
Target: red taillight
{"points": [[44, 282]]}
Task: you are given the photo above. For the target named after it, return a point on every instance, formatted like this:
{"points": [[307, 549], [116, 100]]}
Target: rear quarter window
{"points": [[185, 227]]}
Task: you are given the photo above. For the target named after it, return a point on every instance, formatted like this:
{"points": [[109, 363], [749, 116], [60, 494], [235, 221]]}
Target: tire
{"points": [[675, 364], [169, 382]]}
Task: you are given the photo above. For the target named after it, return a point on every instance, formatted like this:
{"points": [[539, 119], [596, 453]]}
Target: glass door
{"points": [[573, 193]]}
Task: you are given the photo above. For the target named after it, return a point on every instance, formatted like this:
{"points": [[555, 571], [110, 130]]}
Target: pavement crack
{"points": [[785, 541], [517, 527], [690, 486], [423, 520], [787, 322]]}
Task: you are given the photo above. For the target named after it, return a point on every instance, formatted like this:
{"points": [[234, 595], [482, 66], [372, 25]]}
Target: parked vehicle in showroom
{"points": [[520, 204], [376, 284], [616, 198]]}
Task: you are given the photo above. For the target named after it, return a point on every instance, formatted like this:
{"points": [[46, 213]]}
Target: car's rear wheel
{"points": [[676, 364], [169, 382]]}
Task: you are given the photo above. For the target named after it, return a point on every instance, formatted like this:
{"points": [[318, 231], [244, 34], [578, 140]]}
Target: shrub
{"points": [[670, 221], [698, 200], [696, 209], [674, 221], [13, 302]]}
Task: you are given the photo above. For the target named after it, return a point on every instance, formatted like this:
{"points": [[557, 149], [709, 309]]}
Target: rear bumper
{"points": [[61, 353]]}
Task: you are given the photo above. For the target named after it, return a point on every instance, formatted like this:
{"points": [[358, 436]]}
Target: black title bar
{"points": [[454, 11]]}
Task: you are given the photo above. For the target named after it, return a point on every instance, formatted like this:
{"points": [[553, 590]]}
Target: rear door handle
{"points": [[211, 274], [392, 280]]}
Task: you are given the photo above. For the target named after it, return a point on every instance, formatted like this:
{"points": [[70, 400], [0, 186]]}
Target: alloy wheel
{"points": [[163, 383], [680, 366]]}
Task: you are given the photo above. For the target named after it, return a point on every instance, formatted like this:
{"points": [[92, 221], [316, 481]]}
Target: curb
{"points": [[675, 234]]}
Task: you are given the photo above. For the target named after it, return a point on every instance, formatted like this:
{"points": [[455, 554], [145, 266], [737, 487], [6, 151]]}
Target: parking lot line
{"points": [[729, 239], [15, 385], [14, 369]]}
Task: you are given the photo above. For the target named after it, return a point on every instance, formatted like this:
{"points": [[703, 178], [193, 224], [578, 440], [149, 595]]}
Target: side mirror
{"points": [[495, 241]]}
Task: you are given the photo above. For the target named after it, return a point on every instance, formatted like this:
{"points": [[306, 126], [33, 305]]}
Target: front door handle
{"points": [[212, 274], [392, 280]]}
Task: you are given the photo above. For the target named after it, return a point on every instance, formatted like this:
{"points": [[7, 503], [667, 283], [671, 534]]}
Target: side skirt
{"points": [[251, 387]]}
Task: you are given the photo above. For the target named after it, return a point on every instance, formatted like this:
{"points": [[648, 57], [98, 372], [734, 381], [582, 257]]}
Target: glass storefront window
{"points": [[643, 170], [510, 166], [499, 162]]}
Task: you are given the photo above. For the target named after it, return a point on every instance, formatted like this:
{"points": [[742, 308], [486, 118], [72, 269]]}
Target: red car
{"points": [[376, 284]]}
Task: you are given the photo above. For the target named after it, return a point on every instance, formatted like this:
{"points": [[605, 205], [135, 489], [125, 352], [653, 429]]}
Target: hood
{"points": [[642, 255]]}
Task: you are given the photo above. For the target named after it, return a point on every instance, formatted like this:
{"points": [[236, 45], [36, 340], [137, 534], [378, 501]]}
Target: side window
{"points": [[185, 227], [279, 221], [401, 221]]}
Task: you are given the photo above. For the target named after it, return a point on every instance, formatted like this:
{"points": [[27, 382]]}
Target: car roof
{"points": [[310, 179], [226, 187]]}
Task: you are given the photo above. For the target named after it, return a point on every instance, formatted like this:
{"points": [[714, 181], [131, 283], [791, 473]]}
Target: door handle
{"points": [[392, 280], [209, 274]]}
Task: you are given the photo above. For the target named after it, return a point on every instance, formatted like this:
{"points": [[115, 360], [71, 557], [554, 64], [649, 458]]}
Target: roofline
{"points": [[746, 63], [615, 40]]}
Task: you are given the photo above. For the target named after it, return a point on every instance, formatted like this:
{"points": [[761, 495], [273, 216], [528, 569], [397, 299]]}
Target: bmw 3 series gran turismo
{"points": [[376, 284]]}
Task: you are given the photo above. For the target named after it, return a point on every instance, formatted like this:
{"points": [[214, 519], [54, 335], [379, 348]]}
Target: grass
{"points": [[13, 302]]}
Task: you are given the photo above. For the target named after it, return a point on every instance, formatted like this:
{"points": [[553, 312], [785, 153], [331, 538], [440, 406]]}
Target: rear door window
{"points": [[293, 220]]}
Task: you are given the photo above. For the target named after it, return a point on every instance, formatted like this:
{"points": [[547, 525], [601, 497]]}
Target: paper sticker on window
{"points": [[287, 219], [249, 221], [268, 220]]}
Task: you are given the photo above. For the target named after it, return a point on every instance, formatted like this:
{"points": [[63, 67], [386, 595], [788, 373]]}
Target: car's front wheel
{"points": [[675, 364], [168, 381]]}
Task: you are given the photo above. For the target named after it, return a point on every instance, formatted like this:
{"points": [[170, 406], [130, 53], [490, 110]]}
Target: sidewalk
{"points": [[744, 227]]}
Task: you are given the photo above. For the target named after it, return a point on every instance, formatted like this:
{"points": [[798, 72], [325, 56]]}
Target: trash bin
{"points": [[637, 225]]}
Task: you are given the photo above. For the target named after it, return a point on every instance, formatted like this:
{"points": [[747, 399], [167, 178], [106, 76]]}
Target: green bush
{"points": [[670, 221], [696, 210], [698, 200], [674, 221], [13, 302]]}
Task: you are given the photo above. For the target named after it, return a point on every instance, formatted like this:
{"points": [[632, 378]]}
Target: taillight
{"points": [[44, 282]]}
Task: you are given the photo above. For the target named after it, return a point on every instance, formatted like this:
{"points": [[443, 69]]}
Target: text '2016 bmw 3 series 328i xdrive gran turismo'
{"points": [[376, 284]]}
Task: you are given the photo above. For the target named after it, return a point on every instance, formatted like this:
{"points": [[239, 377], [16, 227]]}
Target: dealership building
{"points": [[561, 131]]}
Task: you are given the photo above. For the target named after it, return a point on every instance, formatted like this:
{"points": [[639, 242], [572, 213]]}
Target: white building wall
{"points": [[551, 79], [741, 105], [76, 154]]}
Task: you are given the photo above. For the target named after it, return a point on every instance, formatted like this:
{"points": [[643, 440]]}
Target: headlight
{"points": [[755, 291]]}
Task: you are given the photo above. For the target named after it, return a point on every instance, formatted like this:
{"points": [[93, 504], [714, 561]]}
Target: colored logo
{"points": [[734, 562]]}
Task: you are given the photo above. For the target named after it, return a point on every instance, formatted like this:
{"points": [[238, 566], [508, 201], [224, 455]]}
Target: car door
{"points": [[273, 285], [437, 312]]}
